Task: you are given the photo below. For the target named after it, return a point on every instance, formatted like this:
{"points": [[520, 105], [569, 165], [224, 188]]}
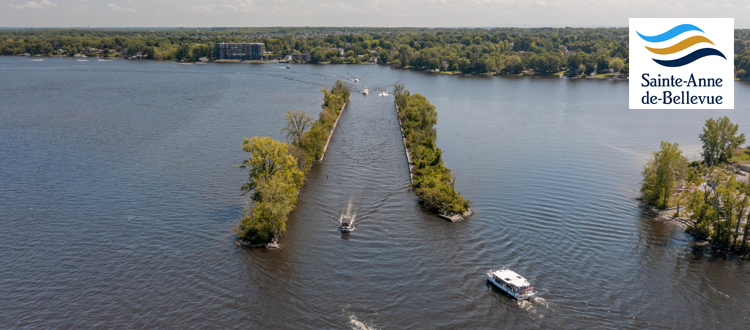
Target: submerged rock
{"points": [[457, 217], [247, 244]]}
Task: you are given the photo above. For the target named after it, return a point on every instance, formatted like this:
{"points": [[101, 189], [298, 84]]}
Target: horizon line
{"points": [[317, 26]]}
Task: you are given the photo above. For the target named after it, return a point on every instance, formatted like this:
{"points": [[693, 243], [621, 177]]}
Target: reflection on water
{"points": [[118, 196]]}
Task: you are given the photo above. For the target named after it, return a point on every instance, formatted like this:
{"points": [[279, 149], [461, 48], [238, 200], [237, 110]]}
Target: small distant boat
{"points": [[288, 67], [347, 224], [101, 60], [37, 60], [365, 91], [184, 63], [384, 93], [354, 79], [346, 221], [82, 60], [510, 282]]}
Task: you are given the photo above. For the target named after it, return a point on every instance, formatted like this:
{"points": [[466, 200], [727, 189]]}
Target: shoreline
{"points": [[444, 73], [408, 153], [666, 215], [336, 123]]}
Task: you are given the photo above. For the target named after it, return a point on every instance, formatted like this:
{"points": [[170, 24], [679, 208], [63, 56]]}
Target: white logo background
{"points": [[718, 30]]}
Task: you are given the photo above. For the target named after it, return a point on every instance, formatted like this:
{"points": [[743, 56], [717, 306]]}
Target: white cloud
{"points": [[202, 7], [27, 5], [241, 5], [33, 5], [341, 7], [114, 7]]}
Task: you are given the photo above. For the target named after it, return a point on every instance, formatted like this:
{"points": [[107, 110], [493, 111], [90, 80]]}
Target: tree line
{"points": [[495, 51], [479, 51], [277, 169], [433, 182], [708, 192]]}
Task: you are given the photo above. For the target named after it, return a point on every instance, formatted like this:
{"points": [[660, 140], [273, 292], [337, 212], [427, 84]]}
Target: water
{"points": [[119, 194]]}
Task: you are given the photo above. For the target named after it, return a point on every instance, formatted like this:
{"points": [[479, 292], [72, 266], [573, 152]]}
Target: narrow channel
{"points": [[386, 266]]}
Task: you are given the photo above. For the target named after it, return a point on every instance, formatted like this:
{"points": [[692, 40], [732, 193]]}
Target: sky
{"points": [[379, 13]]}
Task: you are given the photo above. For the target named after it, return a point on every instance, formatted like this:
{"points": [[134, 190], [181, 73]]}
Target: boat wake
{"points": [[359, 325], [346, 220], [536, 306]]}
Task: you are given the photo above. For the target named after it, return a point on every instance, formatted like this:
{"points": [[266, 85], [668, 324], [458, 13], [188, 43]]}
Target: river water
{"points": [[119, 194]]}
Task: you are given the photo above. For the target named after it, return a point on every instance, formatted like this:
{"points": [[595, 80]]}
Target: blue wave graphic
{"points": [[675, 31], [690, 58]]}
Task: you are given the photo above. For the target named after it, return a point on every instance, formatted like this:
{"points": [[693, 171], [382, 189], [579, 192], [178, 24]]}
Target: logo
{"points": [[681, 63], [680, 46]]}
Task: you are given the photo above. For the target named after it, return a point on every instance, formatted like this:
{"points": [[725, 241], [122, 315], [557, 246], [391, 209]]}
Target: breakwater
{"points": [[330, 134], [432, 181], [278, 169], [406, 147]]}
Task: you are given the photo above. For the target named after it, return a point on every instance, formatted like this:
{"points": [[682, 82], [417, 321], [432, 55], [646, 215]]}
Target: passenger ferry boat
{"points": [[510, 282]]}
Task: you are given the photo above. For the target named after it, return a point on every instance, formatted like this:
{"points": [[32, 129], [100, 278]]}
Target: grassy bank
{"points": [[277, 169], [433, 182]]}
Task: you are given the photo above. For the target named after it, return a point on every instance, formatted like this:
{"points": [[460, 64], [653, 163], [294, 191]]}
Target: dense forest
{"points": [[574, 51]]}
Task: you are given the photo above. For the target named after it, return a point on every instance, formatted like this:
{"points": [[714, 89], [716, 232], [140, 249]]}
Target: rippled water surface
{"points": [[119, 193]]}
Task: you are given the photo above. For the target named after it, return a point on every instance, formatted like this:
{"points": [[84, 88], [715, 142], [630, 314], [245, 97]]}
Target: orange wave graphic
{"points": [[682, 45]]}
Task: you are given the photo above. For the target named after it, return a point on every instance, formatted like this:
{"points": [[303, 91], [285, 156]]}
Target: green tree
{"points": [[267, 158], [719, 139], [616, 64], [297, 123], [702, 212], [183, 53], [728, 197], [662, 174], [513, 64]]}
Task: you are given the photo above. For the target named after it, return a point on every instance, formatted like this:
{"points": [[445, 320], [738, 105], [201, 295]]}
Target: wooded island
{"points": [[432, 181], [277, 169], [712, 195]]}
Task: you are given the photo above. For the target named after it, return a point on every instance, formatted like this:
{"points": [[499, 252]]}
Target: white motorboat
{"points": [[510, 282], [346, 221], [365, 91], [37, 60], [347, 224]]}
